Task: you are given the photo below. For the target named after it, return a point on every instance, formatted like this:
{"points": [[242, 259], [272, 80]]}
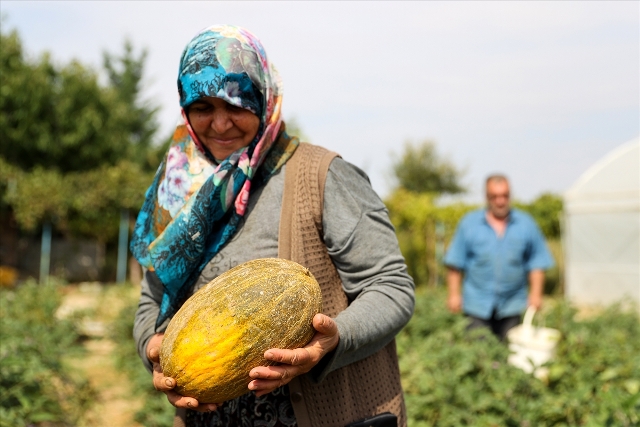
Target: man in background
{"points": [[501, 255]]}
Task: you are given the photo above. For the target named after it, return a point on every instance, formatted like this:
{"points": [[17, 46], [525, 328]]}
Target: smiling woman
{"points": [[235, 187], [222, 127]]}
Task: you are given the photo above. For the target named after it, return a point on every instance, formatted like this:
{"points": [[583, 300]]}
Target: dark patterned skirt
{"points": [[271, 410]]}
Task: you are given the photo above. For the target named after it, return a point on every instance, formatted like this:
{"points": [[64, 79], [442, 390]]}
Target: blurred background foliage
{"points": [[36, 386], [421, 169], [74, 151], [453, 377]]}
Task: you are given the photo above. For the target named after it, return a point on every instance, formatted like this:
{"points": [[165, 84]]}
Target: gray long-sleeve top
{"points": [[361, 242]]}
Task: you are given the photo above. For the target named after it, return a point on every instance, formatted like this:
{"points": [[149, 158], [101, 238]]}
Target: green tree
{"points": [[421, 225], [73, 151], [422, 170], [56, 118], [415, 217], [125, 73], [546, 210]]}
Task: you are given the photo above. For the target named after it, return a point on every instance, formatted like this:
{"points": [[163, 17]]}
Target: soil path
{"points": [[115, 405]]}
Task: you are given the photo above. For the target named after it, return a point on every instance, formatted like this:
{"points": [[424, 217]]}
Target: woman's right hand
{"points": [[167, 384]]}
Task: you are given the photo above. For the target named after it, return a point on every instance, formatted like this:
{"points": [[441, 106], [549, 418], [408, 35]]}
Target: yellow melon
{"points": [[223, 330]]}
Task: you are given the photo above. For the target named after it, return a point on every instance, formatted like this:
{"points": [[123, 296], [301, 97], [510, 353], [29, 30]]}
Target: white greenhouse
{"points": [[602, 230]]}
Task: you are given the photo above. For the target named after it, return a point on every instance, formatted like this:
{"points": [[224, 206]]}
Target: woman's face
{"points": [[222, 128]]}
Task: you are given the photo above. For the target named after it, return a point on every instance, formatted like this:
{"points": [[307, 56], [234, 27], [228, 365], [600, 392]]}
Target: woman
{"points": [[235, 186]]}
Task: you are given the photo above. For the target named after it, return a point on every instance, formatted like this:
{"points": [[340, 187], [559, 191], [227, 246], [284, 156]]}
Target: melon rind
{"points": [[223, 330]]}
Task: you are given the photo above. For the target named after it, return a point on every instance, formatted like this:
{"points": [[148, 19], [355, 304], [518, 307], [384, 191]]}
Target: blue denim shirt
{"points": [[496, 268]]}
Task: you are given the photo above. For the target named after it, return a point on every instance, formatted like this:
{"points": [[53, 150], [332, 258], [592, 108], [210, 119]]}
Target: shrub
{"points": [[546, 209], [35, 385], [424, 230], [452, 377]]}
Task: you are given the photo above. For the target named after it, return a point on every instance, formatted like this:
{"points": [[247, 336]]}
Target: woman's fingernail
{"points": [[168, 382], [268, 354]]}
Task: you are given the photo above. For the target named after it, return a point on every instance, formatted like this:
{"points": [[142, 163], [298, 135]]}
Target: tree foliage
{"points": [[57, 118], [125, 74], [415, 217], [546, 210], [73, 151], [78, 203], [422, 170]]}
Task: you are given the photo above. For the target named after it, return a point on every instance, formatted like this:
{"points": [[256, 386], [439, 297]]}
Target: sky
{"points": [[536, 90]]}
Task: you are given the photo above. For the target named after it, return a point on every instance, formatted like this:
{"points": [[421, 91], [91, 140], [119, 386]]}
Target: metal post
{"points": [[45, 252], [123, 250]]}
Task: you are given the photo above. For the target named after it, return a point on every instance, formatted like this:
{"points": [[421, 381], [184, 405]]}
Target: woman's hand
{"points": [[297, 361], [166, 384]]}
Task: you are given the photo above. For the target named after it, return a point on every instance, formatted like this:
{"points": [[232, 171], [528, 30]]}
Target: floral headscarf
{"points": [[194, 205]]}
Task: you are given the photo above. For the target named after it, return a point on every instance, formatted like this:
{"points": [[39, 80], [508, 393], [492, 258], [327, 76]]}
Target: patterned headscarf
{"points": [[194, 205]]}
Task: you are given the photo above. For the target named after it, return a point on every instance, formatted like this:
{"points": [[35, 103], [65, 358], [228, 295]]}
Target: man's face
{"points": [[498, 198]]}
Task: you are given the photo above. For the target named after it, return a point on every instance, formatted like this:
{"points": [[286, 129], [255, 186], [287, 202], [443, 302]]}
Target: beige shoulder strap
{"points": [[310, 163]]}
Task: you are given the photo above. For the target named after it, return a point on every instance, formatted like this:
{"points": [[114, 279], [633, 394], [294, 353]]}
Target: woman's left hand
{"points": [[297, 361]]}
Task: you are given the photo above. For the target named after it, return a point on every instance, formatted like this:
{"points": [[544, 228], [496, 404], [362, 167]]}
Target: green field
{"points": [[450, 377]]}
